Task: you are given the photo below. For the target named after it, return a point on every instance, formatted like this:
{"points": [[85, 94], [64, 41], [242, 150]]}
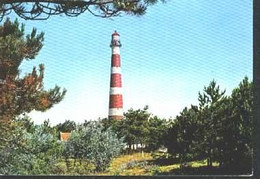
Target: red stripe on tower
{"points": [[116, 101], [115, 60], [115, 98], [116, 80]]}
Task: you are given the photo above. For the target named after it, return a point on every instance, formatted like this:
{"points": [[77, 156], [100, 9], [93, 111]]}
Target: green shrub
{"points": [[94, 144], [38, 151]]}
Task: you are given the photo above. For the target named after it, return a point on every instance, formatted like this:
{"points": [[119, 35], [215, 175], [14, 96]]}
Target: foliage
{"points": [[139, 127], [219, 129], [90, 142], [67, 126], [237, 130], [14, 143], [10, 149], [209, 120], [156, 128], [36, 153], [21, 95], [73, 167], [179, 137], [135, 126], [42, 10]]}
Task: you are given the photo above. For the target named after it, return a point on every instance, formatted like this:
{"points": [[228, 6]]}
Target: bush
{"points": [[37, 152], [94, 144]]}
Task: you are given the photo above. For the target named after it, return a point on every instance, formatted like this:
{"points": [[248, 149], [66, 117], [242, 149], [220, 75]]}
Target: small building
{"points": [[64, 136]]}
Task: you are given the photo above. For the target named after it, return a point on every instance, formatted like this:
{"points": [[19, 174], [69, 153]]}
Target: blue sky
{"points": [[168, 56]]}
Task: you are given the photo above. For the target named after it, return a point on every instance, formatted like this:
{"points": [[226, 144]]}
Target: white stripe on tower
{"points": [[115, 98], [115, 90], [116, 70], [116, 112], [116, 50]]}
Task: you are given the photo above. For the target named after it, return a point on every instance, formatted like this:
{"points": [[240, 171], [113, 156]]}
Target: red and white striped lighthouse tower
{"points": [[116, 98]]}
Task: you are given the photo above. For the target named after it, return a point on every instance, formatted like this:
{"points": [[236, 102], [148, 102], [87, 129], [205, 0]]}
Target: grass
{"points": [[133, 164], [145, 164], [169, 168]]}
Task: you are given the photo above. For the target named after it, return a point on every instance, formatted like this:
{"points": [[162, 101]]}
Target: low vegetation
{"points": [[138, 164]]}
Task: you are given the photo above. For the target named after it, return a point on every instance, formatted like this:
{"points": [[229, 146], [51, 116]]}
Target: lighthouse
{"points": [[115, 93]]}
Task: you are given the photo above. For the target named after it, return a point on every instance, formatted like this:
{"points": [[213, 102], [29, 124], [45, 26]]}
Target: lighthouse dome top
{"points": [[115, 40], [115, 33]]}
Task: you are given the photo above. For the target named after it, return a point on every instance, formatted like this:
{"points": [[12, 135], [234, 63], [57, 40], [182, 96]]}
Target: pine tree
{"points": [[21, 95], [210, 102]]}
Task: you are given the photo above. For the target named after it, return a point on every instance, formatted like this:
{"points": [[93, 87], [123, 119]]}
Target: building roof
{"points": [[64, 136], [115, 33]]}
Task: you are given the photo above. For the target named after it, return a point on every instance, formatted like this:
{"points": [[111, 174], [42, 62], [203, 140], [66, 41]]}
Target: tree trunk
{"points": [[129, 148]]}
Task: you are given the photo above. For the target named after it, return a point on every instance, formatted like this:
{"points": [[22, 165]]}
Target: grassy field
{"points": [[146, 164], [143, 164]]}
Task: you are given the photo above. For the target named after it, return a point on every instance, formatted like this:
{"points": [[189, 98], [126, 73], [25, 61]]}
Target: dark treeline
{"points": [[218, 129]]}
